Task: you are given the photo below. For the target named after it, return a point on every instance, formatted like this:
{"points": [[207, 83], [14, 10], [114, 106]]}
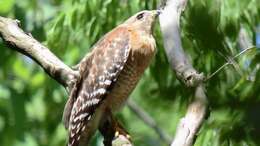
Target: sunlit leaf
{"points": [[6, 5]]}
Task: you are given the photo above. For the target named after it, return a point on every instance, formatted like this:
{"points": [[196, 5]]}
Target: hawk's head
{"points": [[143, 20]]}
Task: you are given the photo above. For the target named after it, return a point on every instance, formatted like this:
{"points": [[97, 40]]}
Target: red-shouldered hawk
{"points": [[109, 74]]}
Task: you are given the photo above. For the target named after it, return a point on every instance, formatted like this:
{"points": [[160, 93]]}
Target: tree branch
{"points": [[18, 40], [24, 43], [191, 123], [169, 22], [230, 61], [245, 45], [148, 120]]}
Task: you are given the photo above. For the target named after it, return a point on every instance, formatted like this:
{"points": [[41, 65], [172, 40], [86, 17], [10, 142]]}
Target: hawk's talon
{"points": [[128, 136], [117, 134]]}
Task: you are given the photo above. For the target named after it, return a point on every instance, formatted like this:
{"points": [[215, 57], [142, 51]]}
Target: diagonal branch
{"points": [[190, 124], [18, 40], [148, 120], [230, 61]]}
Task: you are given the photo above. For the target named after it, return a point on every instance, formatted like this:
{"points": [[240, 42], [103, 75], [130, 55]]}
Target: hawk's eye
{"points": [[140, 16]]}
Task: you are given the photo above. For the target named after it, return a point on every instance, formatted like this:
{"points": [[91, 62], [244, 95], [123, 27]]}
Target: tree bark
{"points": [[195, 115]]}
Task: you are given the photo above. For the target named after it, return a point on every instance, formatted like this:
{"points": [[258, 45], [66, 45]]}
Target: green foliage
{"points": [[31, 103], [6, 5]]}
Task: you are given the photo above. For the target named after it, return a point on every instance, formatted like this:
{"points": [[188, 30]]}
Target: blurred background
{"points": [[31, 103]]}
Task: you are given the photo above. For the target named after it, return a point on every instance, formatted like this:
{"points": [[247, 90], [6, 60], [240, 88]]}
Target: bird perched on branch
{"points": [[109, 74]]}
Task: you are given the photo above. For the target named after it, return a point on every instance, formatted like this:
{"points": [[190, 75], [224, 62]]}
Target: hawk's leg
{"points": [[111, 129]]}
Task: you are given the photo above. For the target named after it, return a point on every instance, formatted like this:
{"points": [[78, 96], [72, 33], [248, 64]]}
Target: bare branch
{"points": [[190, 124], [18, 40], [169, 22], [148, 120]]}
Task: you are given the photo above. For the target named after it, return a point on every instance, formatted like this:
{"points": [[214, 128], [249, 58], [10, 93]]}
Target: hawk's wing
{"points": [[98, 73]]}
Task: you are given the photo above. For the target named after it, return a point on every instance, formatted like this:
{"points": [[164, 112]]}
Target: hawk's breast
{"points": [[128, 78]]}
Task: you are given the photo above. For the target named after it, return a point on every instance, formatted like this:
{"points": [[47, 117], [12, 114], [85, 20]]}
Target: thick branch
{"points": [[190, 124], [148, 120], [169, 21], [17, 39]]}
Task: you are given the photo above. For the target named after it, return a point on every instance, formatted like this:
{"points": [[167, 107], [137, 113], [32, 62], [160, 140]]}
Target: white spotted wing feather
{"points": [[98, 73]]}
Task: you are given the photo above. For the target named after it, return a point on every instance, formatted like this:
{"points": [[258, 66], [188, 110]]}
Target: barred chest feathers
{"points": [[139, 59]]}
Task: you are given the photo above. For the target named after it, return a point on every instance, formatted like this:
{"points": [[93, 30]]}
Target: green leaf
{"points": [[6, 5]]}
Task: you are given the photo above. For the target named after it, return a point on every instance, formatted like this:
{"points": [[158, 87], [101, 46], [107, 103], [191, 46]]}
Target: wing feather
{"points": [[108, 58]]}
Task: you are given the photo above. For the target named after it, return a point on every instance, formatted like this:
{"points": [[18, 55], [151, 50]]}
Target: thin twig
{"points": [[229, 62], [242, 52]]}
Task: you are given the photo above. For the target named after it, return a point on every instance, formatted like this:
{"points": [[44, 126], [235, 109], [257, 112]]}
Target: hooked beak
{"points": [[157, 12]]}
